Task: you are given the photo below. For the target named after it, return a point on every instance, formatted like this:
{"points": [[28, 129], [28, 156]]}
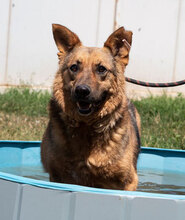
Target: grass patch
{"points": [[163, 121], [21, 127], [24, 101], [23, 116]]}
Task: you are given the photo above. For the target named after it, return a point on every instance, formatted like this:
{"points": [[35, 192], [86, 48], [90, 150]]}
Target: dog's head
{"points": [[89, 79]]}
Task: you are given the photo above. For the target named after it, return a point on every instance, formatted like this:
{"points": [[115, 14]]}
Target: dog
{"points": [[93, 134]]}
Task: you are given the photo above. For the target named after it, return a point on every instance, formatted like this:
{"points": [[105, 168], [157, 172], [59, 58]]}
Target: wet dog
{"points": [[93, 134]]}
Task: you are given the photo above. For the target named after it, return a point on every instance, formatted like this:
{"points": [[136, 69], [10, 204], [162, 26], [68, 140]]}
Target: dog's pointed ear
{"points": [[119, 43], [65, 39]]}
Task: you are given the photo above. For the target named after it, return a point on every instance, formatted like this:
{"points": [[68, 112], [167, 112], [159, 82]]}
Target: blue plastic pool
{"points": [[161, 176]]}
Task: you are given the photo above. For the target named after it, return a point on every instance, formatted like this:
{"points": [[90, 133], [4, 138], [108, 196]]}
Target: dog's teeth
{"points": [[78, 104]]}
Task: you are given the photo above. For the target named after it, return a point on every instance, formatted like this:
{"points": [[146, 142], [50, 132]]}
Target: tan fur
{"points": [[99, 149]]}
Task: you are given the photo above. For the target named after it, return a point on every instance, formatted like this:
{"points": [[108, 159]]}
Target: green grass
{"points": [[163, 121], [24, 101], [23, 116]]}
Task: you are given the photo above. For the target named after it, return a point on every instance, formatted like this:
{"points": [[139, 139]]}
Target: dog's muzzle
{"points": [[85, 99], [82, 93]]}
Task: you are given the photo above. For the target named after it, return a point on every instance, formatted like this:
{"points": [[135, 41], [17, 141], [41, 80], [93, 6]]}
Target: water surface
{"points": [[149, 181]]}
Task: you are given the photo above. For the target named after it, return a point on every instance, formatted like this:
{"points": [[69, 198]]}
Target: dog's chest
{"points": [[86, 159], [87, 169], [80, 172]]}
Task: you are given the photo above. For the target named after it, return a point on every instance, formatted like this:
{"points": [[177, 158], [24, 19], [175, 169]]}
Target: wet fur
{"points": [[99, 150]]}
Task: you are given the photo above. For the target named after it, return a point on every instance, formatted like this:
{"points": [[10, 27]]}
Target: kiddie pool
{"points": [[26, 193]]}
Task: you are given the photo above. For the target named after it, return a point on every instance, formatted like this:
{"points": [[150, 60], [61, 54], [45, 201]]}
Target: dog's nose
{"points": [[82, 91]]}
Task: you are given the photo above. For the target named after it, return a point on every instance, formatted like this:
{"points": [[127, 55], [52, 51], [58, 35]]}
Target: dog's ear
{"points": [[119, 43], [65, 39]]}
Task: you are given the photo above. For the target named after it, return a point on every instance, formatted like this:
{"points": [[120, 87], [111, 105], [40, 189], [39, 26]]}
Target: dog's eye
{"points": [[74, 68], [101, 69]]}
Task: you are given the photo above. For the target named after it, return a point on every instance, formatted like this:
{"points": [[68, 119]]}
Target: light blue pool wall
{"points": [[28, 154], [27, 199]]}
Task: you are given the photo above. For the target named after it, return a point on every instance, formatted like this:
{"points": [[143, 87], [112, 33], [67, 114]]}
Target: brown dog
{"points": [[92, 136]]}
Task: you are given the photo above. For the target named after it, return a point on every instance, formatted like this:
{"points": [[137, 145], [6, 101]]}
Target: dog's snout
{"points": [[82, 91]]}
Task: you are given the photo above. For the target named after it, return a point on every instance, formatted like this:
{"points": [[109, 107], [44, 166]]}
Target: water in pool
{"points": [[149, 181]]}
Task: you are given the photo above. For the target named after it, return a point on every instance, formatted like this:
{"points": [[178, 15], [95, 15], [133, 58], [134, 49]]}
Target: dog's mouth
{"points": [[84, 108]]}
